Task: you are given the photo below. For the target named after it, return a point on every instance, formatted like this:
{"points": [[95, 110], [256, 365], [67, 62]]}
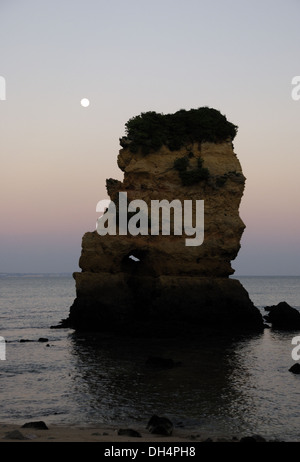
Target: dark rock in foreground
{"points": [[39, 425], [15, 435], [160, 426], [295, 369], [253, 439], [129, 432], [283, 316]]}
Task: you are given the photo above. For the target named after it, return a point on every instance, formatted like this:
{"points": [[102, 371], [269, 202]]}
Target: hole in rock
{"points": [[137, 262], [134, 258]]}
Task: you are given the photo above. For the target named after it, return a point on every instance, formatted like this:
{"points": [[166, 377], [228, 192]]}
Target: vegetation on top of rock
{"points": [[150, 130]]}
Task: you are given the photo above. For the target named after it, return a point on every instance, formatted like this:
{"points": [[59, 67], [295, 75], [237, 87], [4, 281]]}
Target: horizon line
{"points": [[71, 273]]}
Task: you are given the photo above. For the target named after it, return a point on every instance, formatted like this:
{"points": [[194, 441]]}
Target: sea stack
{"points": [[156, 284]]}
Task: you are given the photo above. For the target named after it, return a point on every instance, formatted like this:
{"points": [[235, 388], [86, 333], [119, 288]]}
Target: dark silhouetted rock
{"points": [[283, 316], [253, 439], [248, 439], [259, 438], [14, 435], [39, 425], [295, 369], [160, 426], [41, 339], [64, 323], [129, 432], [269, 308]]}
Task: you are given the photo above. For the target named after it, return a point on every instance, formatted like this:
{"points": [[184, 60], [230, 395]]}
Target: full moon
{"points": [[85, 102]]}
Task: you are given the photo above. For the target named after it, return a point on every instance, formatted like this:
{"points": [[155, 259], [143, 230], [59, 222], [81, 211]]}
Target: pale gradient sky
{"points": [[133, 56]]}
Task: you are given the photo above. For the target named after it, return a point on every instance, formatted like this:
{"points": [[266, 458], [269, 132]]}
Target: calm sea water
{"points": [[237, 387]]}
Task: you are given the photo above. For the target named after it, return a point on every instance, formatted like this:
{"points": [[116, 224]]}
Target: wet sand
{"points": [[61, 433]]}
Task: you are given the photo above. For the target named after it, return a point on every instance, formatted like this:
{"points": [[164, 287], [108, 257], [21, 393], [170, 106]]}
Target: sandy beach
{"points": [[61, 433]]}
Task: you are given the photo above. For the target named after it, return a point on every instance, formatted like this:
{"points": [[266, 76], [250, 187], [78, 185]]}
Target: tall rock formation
{"points": [[156, 284]]}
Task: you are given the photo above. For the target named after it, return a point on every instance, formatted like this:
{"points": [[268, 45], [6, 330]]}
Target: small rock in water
{"points": [[39, 425], [253, 439], [15, 435], [247, 439], [129, 432], [295, 368], [283, 316], [259, 438], [160, 425]]}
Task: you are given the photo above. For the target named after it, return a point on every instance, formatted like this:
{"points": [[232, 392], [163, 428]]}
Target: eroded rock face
{"points": [[173, 287], [153, 177]]}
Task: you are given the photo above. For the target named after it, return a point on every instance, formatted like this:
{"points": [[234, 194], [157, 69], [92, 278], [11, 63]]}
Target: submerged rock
{"points": [[129, 432], [160, 426], [156, 284]]}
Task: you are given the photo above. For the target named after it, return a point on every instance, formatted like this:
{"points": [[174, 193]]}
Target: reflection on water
{"points": [[225, 386]]}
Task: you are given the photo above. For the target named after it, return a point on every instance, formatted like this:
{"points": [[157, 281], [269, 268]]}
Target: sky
{"points": [[129, 57]]}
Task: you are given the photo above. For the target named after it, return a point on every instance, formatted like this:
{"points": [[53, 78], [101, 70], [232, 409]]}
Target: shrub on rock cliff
{"points": [[150, 130], [189, 177]]}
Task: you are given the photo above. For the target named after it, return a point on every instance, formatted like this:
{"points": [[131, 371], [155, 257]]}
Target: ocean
{"points": [[235, 387]]}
